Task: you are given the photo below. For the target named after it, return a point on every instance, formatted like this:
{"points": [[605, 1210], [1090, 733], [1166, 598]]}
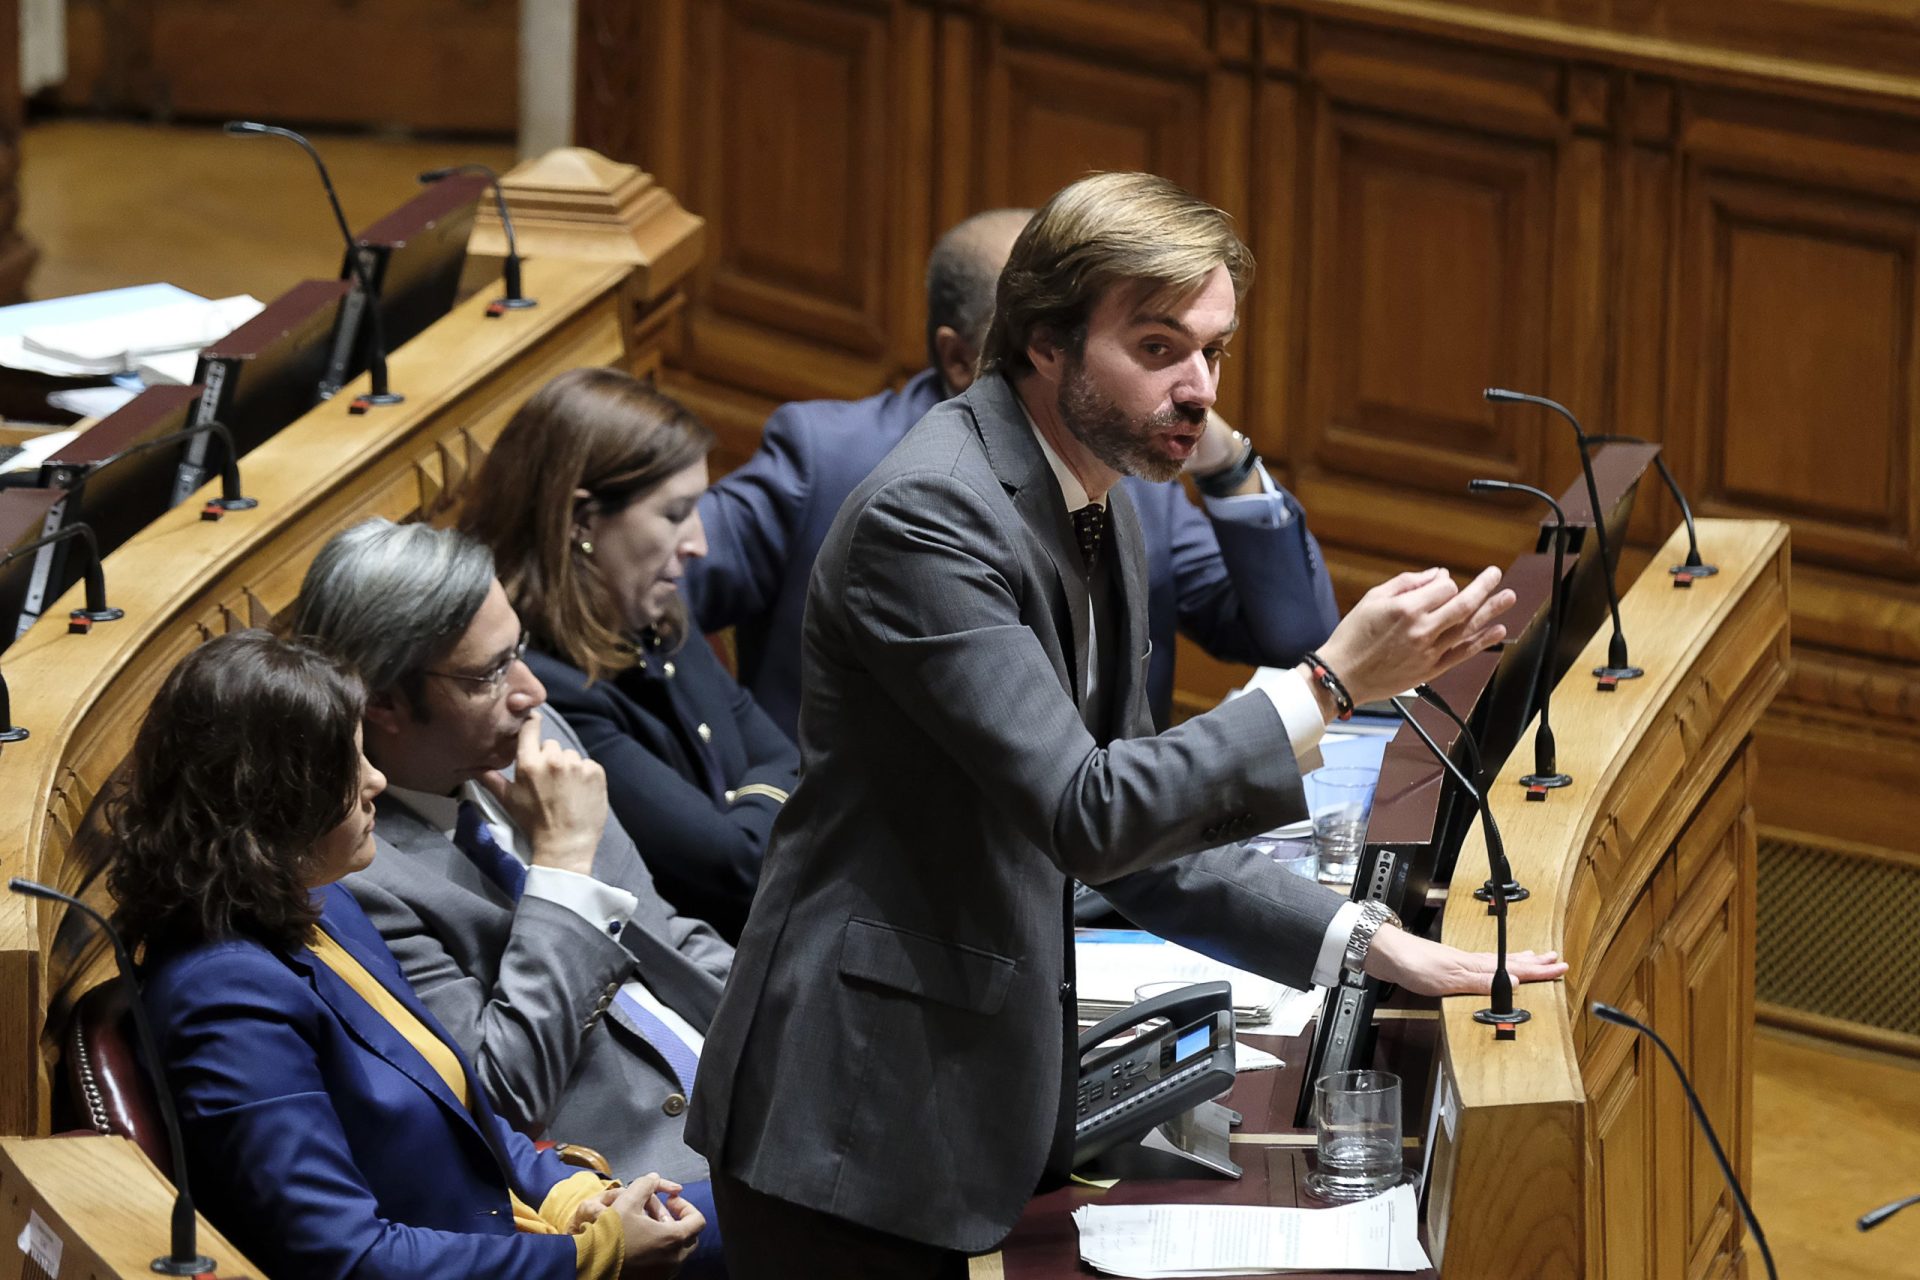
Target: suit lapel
{"points": [[431, 853], [1128, 547], [367, 1026], [1022, 470]]}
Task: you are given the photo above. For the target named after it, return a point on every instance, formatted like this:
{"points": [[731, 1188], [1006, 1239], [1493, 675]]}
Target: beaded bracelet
{"points": [[1342, 700]]}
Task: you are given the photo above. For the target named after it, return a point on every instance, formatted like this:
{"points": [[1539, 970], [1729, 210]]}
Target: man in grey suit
{"points": [[517, 906], [885, 1082]]}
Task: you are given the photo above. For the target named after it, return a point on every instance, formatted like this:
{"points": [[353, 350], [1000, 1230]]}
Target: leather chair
{"points": [[105, 1079], [115, 1096]]}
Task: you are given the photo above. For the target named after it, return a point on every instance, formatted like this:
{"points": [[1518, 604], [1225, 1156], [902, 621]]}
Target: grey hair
{"points": [[389, 600], [962, 272]]}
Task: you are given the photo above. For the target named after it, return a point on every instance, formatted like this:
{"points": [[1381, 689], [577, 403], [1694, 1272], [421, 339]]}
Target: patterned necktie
{"points": [[475, 839], [1089, 524]]}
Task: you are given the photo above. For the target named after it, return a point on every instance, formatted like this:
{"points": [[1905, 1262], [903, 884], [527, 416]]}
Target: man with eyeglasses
{"points": [[514, 901]]}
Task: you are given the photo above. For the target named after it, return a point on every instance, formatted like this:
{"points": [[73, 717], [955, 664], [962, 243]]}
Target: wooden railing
{"points": [[182, 581]]}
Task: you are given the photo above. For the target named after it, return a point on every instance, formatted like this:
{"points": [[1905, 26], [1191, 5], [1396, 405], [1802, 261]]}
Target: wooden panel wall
{"points": [[1689, 220], [418, 64]]}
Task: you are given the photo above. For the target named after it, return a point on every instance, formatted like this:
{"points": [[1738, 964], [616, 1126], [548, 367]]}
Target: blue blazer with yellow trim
{"points": [[319, 1141]]}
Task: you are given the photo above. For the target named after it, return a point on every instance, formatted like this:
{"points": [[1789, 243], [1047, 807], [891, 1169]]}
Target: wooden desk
{"points": [[1568, 1151], [109, 1208], [1274, 1157]]}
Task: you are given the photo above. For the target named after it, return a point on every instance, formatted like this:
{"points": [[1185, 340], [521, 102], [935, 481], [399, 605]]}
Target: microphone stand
{"points": [[1874, 1217], [378, 393], [79, 621], [1510, 888], [1693, 567], [510, 270], [1500, 1015], [1607, 1013], [1619, 667], [1496, 849], [184, 1258], [230, 499], [1546, 774]]}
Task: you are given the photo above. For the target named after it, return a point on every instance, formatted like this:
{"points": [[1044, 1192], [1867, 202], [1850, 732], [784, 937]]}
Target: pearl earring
{"points": [[586, 548]]}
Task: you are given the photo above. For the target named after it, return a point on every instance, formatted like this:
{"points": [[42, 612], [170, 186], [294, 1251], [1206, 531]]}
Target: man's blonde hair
{"points": [[1105, 229]]}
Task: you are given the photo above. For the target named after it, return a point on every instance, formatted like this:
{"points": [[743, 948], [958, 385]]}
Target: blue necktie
{"points": [[475, 839]]}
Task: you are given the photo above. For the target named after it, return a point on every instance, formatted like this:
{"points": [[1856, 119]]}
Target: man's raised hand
{"points": [[1413, 627]]}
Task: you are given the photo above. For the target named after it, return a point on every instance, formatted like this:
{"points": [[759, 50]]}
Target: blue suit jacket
{"points": [[1245, 594], [319, 1140], [671, 786]]}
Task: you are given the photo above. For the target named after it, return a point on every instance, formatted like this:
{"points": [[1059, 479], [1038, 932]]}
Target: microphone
{"points": [[510, 270], [378, 393], [230, 499], [1500, 1015], [1510, 888], [1607, 1013], [185, 1258], [1546, 773], [1868, 1221], [1619, 667], [79, 621], [9, 731], [1693, 567]]}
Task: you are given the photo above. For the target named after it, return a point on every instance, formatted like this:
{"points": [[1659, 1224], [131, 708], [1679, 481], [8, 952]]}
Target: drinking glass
{"points": [[1357, 1127], [1340, 800]]}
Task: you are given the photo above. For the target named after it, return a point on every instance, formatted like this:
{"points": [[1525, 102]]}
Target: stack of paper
{"points": [[1113, 964], [1155, 1240], [118, 343]]}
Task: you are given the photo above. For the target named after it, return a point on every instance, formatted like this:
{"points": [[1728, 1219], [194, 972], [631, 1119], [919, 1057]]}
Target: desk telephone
{"points": [[1129, 1088]]}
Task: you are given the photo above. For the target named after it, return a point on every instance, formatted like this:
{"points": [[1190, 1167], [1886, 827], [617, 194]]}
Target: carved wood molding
{"points": [[576, 203]]}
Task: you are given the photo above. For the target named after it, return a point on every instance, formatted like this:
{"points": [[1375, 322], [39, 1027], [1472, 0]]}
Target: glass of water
{"points": [[1340, 800], [1357, 1118]]}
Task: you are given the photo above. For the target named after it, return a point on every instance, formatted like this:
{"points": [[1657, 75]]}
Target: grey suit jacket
{"points": [[889, 1048], [527, 988]]}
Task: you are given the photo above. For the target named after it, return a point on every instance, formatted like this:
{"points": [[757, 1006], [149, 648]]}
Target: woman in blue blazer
{"points": [[332, 1128], [588, 502]]}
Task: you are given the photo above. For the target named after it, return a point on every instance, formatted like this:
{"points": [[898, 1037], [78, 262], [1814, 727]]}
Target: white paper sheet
{"points": [[1111, 964], [1153, 1241], [115, 344]]}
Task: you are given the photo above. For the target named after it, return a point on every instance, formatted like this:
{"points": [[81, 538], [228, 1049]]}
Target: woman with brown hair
{"points": [[333, 1129], [587, 502]]}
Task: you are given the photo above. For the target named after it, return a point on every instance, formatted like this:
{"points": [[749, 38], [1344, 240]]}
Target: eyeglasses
{"points": [[494, 679]]}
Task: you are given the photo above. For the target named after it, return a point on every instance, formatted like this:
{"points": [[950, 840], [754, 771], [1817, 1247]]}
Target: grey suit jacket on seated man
{"points": [[1243, 577], [528, 988], [891, 1048]]}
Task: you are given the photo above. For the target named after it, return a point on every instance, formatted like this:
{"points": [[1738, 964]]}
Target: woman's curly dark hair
{"points": [[245, 760]]}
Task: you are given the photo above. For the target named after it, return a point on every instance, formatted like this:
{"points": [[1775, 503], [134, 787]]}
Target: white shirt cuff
{"points": [[1267, 509], [1327, 966], [1299, 712], [601, 905]]}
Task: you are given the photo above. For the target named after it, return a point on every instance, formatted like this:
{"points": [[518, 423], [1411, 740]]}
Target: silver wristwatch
{"points": [[1374, 916]]}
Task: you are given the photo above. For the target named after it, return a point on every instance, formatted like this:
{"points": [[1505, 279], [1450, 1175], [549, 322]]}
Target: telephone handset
{"points": [[1128, 1088]]}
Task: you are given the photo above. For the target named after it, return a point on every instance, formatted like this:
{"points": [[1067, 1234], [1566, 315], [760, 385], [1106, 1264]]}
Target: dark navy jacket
{"points": [[319, 1141], [1245, 594], [671, 785]]}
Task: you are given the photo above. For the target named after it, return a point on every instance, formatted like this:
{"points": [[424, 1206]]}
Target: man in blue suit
{"points": [[1245, 579]]}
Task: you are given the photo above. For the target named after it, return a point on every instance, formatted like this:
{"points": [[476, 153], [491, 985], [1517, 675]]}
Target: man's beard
{"points": [[1124, 444]]}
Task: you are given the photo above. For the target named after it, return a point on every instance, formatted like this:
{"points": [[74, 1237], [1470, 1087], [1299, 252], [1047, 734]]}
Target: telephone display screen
{"points": [[1191, 1042]]}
